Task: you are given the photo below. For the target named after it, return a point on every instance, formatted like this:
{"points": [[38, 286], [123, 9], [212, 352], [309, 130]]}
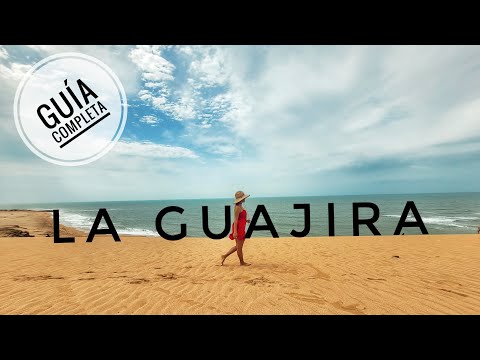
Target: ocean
{"points": [[451, 213]]}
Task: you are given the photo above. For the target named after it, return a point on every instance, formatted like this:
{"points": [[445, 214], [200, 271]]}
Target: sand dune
{"points": [[430, 274], [341, 275]]}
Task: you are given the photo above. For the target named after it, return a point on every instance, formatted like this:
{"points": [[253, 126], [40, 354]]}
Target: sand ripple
{"points": [[434, 274]]}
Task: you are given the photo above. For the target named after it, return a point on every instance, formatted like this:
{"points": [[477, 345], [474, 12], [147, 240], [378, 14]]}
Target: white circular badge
{"points": [[70, 109]]}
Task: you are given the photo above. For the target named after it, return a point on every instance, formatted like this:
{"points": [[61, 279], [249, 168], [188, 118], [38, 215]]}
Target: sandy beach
{"points": [[429, 274], [15, 223]]}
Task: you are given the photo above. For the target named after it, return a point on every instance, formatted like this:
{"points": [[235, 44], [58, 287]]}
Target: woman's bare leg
{"points": [[229, 252], [240, 252]]}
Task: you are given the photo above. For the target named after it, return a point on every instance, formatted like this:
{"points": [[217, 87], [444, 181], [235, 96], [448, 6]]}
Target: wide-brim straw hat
{"points": [[239, 196]]}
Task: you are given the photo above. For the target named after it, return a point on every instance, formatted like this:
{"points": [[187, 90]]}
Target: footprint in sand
{"points": [[449, 282], [36, 278], [259, 281], [349, 308], [168, 276], [454, 292], [289, 285], [167, 292], [139, 281], [319, 274], [86, 279], [308, 298]]}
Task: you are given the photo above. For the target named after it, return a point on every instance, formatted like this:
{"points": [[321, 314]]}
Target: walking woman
{"points": [[238, 228]]}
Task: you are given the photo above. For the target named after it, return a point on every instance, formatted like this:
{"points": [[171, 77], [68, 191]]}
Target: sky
{"points": [[206, 121]]}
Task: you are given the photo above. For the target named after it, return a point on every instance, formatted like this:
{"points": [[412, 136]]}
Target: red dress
{"points": [[241, 224]]}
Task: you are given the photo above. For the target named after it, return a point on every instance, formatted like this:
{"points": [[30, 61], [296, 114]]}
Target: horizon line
{"points": [[231, 198]]}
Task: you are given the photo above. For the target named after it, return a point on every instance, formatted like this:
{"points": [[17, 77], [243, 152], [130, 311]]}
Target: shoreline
{"points": [[40, 223], [32, 223]]}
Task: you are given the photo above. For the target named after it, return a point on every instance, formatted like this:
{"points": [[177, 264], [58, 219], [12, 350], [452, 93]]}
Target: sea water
{"points": [[451, 213]]}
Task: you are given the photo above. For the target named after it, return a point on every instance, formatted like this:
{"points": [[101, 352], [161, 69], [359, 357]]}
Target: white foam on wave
{"points": [[96, 210], [465, 218], [83, 222], [442, 220], [76, 220], [409, 217], [138, 232]]}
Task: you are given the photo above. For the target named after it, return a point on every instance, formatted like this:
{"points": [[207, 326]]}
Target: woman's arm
{"points": [[236, 214]]}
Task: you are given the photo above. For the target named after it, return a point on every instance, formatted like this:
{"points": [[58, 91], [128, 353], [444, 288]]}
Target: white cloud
{"points": [[14, 72], [158, 102], [152, 84], [206, 67], [153, 66], [152, 150], [114, 56], [205, 125], [215, 144], [157, 72], [365, 116], [42, 48], [3, 53], [150, 120], [209, 65], [223, 149], [329, 107], [284, 120], [182, 109]]}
